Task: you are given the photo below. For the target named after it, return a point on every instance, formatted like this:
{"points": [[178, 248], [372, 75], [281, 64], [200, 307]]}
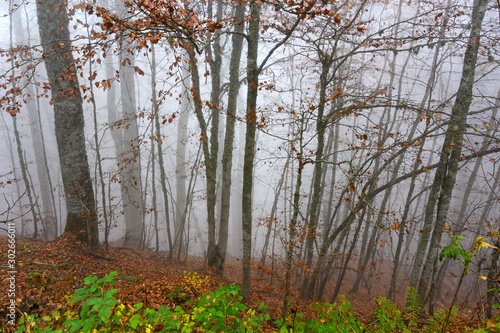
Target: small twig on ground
{"points": [[126, 248], [98, 256], [42, 264]]}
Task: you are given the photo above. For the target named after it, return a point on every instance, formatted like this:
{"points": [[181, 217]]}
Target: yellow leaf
{"points": [[479, 243], [482, 277]]}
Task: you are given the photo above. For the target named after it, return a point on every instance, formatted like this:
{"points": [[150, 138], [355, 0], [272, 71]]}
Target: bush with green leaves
{"points": [[220, 310], [97, 310], [100, 311], [387, 318], [337, 317], [292, 323]]}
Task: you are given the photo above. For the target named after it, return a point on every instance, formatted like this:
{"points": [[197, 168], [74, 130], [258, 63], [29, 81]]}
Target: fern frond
{"points": [[435, 323], [413, 303]]}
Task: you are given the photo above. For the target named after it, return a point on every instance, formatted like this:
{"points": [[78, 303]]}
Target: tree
{"points": [[67, 100], [446, 172], [20, 152], [180, 244], [49, 219], [251, 127], [227, 155]]}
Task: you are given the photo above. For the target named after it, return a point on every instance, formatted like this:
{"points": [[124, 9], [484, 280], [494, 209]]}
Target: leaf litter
{"points": [[47, 272]]}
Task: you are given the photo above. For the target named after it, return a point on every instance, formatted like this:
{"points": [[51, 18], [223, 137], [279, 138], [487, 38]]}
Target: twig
{"points": [[42, 264], [98, 256], [126, 248]]}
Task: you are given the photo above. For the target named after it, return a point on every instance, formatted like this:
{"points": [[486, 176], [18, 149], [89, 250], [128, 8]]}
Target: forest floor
{"points": [[48, 271]]}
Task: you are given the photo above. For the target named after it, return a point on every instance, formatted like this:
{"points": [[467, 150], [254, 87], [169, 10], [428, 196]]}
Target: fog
{"points": [[363, 93]]}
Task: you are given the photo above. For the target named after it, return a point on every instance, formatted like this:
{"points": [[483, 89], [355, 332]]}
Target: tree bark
{"points": [[214, 55], [446, 172], [130, 173], [251, 128], [227, 155], [45, 182], [180, 168], [69, 122]]}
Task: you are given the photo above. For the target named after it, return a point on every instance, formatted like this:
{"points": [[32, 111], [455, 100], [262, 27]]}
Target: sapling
{"points": [[453, 251]]}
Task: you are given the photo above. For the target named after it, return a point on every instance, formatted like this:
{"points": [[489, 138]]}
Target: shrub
{"points": [[219, 310]]}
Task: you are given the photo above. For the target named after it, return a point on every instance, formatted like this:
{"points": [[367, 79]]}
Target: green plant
{"points": [[492, 326], [97, 306], [387, 317], [335, 317], [129, 278], [25, 248], [292, 323], [256, 319], [496, 306], [178, 295], [413, 307], [440, 318], [453, 251], [38, 279], [221, 310], [28, 322], [218, 310]]}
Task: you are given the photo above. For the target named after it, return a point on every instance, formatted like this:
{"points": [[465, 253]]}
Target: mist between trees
{"points": [[306, 138]]}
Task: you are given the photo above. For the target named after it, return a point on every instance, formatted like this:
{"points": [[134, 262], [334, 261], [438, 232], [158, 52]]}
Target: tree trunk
{"points": [[129, 160], [293, 223], [227, 155], [155, 137], [69, 122], [100, 172], [20, 153], [251, 127], [37, 139], [214, 54], [180, 168], [493, 280], [452, 148], [318, 171], [347, 258]]}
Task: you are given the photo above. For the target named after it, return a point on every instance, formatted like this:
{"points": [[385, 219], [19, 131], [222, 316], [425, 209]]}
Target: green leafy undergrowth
{"points": [[491, 325], [387, 318], [440, 318], [337, 317], [99, 311], [413, 308], [95, 308]]}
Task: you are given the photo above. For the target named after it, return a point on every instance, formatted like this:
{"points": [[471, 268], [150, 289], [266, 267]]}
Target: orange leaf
{"points": [[138, 70], [337, 18]]}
